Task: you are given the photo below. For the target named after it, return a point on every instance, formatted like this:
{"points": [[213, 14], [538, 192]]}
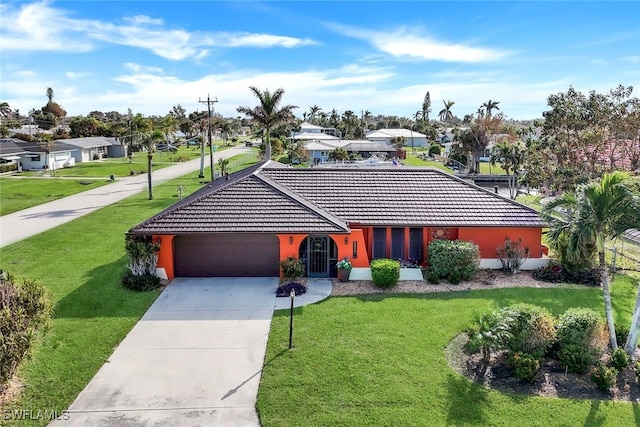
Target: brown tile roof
{"points": [[273, 198], [247, 202]]}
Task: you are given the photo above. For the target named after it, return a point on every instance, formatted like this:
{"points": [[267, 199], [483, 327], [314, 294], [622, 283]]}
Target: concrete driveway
{"points": [[194, 359]]}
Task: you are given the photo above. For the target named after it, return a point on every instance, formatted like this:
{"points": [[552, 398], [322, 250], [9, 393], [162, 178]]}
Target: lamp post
{"points": [[292, 295]]}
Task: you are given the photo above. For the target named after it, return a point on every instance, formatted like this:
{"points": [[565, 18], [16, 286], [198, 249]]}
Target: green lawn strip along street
{"points": [[22, 193], [416, 161], [378, 360], [81, 264]]}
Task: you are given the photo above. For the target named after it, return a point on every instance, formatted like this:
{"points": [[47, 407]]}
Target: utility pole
{"points": [[210, 101]]}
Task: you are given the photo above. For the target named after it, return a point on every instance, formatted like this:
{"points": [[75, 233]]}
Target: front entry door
{"points": [[320, 253]]}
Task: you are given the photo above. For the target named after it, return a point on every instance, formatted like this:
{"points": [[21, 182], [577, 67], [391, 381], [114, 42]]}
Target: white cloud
{"points": [[40, 27], [411, 44], [74, 75]]}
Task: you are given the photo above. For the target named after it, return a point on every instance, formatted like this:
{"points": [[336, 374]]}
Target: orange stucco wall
{"points": [[165, 256], [488, 239], [345, 244], [290, 244]]}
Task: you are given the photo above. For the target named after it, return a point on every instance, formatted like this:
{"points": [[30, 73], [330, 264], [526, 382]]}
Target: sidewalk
{"points": [[29, 222]]}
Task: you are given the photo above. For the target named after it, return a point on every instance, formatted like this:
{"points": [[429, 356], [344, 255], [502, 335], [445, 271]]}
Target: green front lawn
{"points": [[21, 193], [412, 160], [81, 263], [379, 361]]}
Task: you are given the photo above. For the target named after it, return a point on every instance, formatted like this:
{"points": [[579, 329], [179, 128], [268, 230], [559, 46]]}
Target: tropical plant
{"points": [[490, 105], [344, 264], [223, 164], [445, 115], [490, 331], [269, 113], [596, 212], [339, 153], [510, 153], [292, 268], [512, 255]]}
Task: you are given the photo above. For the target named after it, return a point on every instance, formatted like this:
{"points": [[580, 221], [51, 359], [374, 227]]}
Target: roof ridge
{"points": [[303, 201], [205, 191]]}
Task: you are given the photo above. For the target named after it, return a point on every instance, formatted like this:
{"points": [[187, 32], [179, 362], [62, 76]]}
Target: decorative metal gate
{"points": [[320, 254]]}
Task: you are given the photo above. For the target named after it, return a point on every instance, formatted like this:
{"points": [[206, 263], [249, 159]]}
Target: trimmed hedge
{"points": [[385, 273], [454, 260], [143, 283]]}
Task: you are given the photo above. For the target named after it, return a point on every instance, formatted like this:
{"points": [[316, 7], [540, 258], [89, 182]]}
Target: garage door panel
{"points": [[227, 255]]}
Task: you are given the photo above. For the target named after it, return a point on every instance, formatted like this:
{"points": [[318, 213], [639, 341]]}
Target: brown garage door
{"points": [[226, 255]]}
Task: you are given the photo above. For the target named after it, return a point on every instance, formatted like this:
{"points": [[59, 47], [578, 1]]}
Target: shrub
{"points": [[532, 330], [435, 149], [285, 289], [575, 358], [557, 273], [385, 273], [637, 372], [582, 337], [620, 359], [454, 260], [512, 255], [431, 276], [23, 308], [292, 268], [604, 377], [143, 255], [490, 331], [524, 366], [145, 282], [553, 272]]}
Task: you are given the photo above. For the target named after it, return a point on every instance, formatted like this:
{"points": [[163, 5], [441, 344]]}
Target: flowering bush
{"points": [[344, 263]]}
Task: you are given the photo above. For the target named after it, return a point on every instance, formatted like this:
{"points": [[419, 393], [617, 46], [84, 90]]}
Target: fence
{"points": [[628, 260]]}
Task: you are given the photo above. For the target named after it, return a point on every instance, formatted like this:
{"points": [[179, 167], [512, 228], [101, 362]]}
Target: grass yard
{"points": [[81, 264], [379, 361], [489, 169], [412, 160], [21, 193]]}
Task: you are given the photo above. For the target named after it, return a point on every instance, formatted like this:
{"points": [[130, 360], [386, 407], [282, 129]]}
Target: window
{"points": [[379, 243], [397, 243], [415, 244]]}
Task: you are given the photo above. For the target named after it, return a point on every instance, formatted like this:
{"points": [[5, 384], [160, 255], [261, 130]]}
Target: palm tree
{"points": [[490, 105], [267, 114], [223, 164], [596, 212], [313, 113], [445, 114], [149, 142]]}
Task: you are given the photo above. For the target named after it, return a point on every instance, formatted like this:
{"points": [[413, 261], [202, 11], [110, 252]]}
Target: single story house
{"points": [[386, 136], [10, 155], [95, 147], [243, 224], [319, 150], [33, 156]]}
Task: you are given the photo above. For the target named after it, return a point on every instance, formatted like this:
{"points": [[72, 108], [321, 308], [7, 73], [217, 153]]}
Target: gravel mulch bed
{"points": [[485, 279]]}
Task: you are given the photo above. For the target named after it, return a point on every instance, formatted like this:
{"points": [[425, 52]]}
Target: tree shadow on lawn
{"points": [[103, 295], [467, 401]]}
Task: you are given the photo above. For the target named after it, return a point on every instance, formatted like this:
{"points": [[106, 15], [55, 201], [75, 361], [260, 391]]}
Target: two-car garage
{"points": [[226, 255]]}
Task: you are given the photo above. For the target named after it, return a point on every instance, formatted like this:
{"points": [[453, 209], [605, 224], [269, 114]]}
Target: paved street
{"points": [[29, 222]]}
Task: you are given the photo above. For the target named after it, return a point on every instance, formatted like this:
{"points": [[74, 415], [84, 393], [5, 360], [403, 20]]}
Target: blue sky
{"points": [[377, 56]]}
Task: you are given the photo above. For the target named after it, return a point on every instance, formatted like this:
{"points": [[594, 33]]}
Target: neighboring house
{"points": [[318, 150], [10, 155], [310, 131], [94, 148], [386, 136], [245, 224], [35, 157]]}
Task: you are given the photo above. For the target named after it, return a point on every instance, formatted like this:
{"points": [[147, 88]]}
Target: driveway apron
{"points": [[194, 359]]}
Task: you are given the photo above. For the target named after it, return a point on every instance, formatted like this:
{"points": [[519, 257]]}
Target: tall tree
{"points": [[445, 115], [426, 107], [510, 153], [269, 113], [601, 210], [489, 106]]}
